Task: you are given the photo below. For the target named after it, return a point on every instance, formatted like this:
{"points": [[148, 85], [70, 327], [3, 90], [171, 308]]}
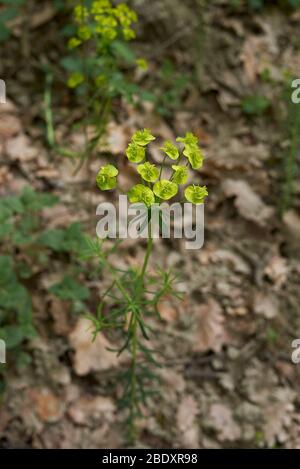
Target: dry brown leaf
{"points": [[59, 312], [259, 382], [292, 222], [5, 417], [48, 173], [20, 148], [249, 59], [249, 205], [59, 216], [90, 356], [277, 270], [7, 108], [47, 406], [221, 420], [237, 310], [238, 264], [10, 125], [211, 333], [259, 52], [266, 305], [90, 407], [41, 17], [37, 19], [278, 416], [5, 176], [234, 154], [227, 99], [173, 379], [167, 310], [117, 138], [235, 25], [170, 310], [187, 422], [67, 172]]}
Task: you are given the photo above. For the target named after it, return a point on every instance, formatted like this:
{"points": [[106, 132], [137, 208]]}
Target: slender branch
{"points": [[49, 119]]}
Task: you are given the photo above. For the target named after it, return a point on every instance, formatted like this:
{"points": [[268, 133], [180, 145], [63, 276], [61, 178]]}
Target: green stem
{"points": [[291, 160], [162, 166], [177, 163], [134, 337], [85, 100], [133, 380], [48, 110], [90, 146], [147, 256], [50, 133]]}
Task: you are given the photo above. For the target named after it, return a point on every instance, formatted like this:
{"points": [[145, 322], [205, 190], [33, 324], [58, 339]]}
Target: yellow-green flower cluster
{"points": [[142, 63], [107, 177], [81, 13], [191, 150], [126, 18], [154, 189], [136, 151], [103, 20], [75, 80]]}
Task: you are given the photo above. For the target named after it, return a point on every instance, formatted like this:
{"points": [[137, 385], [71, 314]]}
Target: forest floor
{"points": [[228, 379]]}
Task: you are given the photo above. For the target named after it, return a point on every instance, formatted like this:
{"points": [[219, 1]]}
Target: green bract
{"points": [[99, 6], [194, 155], [142, 63], [196, 194], [142, 137], [81, 15], [74, 42], [148, 172], [170, 150], [84, 33], [75, 80], [189, 139], [181, 174], [165, 189], [141, 193], [135, 153], [106, 177]]}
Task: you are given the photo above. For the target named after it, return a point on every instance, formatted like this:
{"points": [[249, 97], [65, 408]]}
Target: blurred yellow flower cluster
{"points": [[104, 20]]}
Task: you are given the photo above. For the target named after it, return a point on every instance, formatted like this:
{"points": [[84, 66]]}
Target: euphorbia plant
{"points": [[135, 292]]}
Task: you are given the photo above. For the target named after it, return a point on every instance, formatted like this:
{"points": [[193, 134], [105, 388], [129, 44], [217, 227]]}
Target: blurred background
{"points": [[222, 69]]}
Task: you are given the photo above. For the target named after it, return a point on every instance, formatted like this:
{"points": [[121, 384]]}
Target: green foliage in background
{"points": [[259, 5], [99, 62], [10, 10], [25, 249], [15, 306], [290, 157], [170, 86], [255, 105]]}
